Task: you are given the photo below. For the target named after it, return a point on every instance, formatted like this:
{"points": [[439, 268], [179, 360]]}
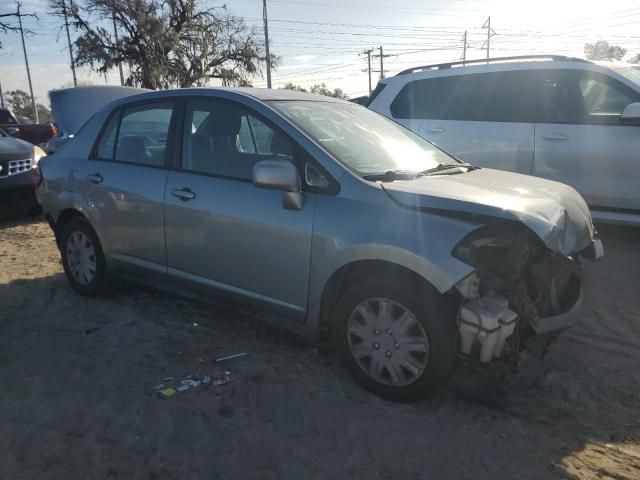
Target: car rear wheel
{"points": [[82, 258], [394, 337]]}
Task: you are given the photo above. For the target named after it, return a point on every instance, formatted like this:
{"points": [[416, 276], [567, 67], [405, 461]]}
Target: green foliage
{"points": [[319, 89], [603, 50]]}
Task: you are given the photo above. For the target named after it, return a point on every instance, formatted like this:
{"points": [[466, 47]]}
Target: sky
{"points": [[323, 41]]}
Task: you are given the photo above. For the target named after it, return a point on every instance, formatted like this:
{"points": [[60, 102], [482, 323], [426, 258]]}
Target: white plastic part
{"points": [[469, 287], [486, 322]]}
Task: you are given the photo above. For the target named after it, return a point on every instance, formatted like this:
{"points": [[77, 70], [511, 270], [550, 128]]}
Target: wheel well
{"points": [[63, 220], [352, 272]]}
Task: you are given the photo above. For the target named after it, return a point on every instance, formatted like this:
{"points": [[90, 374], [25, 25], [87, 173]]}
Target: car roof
{"points": [[262, 94], [501, 64]]}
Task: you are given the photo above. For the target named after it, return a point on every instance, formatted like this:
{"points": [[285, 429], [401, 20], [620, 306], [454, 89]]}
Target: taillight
{"points": [[52, 130], [37, 176]]}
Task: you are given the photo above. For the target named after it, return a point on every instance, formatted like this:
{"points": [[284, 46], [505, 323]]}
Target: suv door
{"points": [[481, 118], [125, 181], [221, 230], [580, 139]]}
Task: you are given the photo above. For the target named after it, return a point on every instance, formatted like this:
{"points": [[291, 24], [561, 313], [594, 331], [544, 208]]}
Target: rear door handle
{"points": [[556, 137], [435, 130], [183, 194], [95, 178]]}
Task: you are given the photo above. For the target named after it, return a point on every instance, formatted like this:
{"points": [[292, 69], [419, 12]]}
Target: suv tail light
{"points": [[52, 130]]}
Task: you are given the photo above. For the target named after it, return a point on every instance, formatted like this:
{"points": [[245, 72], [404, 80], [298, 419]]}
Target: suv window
{"points": [[489, 97], [582, 97], [228, 140]]}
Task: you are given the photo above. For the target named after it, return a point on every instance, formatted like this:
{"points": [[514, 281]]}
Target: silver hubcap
{"points": [[388, 342], [81, 258]]}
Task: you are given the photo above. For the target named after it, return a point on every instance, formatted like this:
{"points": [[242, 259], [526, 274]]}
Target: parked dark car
{"points": [[18, 160], [35, 133]]}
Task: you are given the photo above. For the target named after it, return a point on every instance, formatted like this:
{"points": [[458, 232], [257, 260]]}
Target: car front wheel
{"points": [[394, 337]]}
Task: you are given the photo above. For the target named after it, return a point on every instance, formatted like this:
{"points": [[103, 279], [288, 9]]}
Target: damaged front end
{"points": [[520, 295]]}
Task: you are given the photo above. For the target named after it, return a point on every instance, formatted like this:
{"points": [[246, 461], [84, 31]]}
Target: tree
{"points": [[8, 27], [19, 102], [635, 59], [318, 88], [166, 43], [603, 50], [294, 87]]}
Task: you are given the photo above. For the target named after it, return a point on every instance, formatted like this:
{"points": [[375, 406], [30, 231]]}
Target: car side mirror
{"points": [[14, 132], [631, 114], [280, 175]]}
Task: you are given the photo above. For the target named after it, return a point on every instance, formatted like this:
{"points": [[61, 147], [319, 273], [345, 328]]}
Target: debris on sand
{"points": [[229, 357], [166, 393], [191, 382]]}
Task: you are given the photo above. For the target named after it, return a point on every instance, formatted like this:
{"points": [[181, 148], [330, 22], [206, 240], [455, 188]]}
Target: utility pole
{"points": [[464, 48], [115, 31], [368, 53], [1, 97], [26, 61], [381, 55], [490, 33], [266, 41], [66, 25]]}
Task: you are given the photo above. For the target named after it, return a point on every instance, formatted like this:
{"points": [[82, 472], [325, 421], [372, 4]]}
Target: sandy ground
{"points": [[76, 405]]}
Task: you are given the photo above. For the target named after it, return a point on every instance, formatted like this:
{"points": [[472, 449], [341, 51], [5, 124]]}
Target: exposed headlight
{"points": [[36, 154], [500, 250]]}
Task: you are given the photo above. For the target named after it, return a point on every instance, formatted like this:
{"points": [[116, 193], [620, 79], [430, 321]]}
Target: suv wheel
{"points": [[394, 337], [82, 258]]}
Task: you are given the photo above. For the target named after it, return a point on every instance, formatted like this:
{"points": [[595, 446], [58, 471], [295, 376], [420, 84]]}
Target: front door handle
{"points": [[95, 178], [435, 129], [183, 194], [556, 137]]}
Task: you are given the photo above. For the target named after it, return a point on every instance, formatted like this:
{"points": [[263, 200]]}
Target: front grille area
{"points": [[18, 166], [14, 167]]}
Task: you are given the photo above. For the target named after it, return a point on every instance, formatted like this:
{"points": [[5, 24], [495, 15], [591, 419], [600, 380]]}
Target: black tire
{"points": [[99, 284], [426, 305]]}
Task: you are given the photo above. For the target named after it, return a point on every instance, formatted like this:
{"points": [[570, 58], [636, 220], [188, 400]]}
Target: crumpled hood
{"points": [[553, 211]]}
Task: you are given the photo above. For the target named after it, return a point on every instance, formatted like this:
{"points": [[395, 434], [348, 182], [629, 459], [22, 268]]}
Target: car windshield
{"points": [[631, 72], [361, 139]]}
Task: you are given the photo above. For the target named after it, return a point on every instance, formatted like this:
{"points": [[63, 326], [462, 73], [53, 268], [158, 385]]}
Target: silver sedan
{"points": [[332, 220]]}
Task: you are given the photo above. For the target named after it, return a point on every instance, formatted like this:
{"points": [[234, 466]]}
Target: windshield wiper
{"points": [[442, 167], [391, 175]]}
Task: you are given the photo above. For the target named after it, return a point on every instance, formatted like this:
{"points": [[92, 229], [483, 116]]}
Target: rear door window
{"points": [[143, 134], [488, 97], [107, 143]]}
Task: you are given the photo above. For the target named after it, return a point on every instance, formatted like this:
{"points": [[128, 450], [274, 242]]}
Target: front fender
{"points": [[417, 241]]}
